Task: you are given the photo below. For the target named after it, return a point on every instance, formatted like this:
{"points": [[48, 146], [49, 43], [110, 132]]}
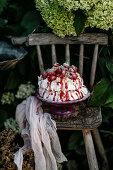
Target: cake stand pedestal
{"points": [[62, 108]]}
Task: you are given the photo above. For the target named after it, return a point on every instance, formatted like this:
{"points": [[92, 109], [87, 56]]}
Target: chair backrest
{"points": [[51, 39]]}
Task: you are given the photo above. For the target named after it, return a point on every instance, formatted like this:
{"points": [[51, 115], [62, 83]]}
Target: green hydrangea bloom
{"points": [[12, 124], [69, 4], [58, 14], [25, 90], [40, 4], [77, 4], [7, 98], [59, 19], [101, 16]]}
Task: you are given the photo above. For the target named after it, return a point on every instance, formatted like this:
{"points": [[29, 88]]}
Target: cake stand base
{"points": [[62, 110]]}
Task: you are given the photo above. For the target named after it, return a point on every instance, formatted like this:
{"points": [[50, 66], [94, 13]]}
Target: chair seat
{"points": [[82, 118]]}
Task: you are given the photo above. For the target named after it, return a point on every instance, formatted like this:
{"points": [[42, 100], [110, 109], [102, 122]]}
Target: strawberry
{"points": [[49, 79], [70, 77], [75, 69], [44, 75], [59, 71], [51, 72], [52, 78], [56, 64], [74, 77], [61, 76], [58, 75], [66, 65], [71, 70], [65, 69]]}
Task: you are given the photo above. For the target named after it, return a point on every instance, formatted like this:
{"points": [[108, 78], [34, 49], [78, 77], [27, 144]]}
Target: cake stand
{"points": [[62, 108]]}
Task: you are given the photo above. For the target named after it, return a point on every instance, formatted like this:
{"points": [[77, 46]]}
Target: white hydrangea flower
{"points": [[69, 4], [101, 16], [59, 14], [12, 124], [7, 98], [59, 20], [25, 90]]}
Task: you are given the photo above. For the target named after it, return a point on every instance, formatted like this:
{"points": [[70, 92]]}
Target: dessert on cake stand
{"points": [[62, 108]]}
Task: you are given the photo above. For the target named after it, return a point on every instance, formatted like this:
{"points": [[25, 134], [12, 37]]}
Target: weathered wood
{"points": [[91, 156], [48, 38], [40, 61], [67, 54], [87, 118], [18, 40], [94, 64], [100, 148], [53, 51], [81, 59]]}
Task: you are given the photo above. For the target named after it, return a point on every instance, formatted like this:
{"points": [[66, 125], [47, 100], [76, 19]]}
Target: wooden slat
{"points": [[93, 68], [91, 155], [100, 148], [49, 39], [81, 59], [40, 61], [53, 51], [67, 54]]}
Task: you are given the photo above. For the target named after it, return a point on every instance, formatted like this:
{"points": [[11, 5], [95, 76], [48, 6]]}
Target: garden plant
{"points": [[63, 18]]}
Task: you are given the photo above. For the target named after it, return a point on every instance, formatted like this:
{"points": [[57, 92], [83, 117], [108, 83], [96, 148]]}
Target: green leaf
{"points": [[107, 113], [110, 94], [72, 165], [12, 82], [16, 29], [79, 21], [3, 117], [109, 65], [31, 21], [16, 9], [76, 143], [106, 132], [102, 65], [3, 4], [110, 105], [100, 93]]}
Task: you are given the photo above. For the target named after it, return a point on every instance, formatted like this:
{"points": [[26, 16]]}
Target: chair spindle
{"points": [[94, 63], [81, 58], [40, 61], [53, 51], [67, 54]]}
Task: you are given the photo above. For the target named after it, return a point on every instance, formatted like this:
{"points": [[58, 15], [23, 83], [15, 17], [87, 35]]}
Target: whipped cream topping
{"points": [[61, 83]]}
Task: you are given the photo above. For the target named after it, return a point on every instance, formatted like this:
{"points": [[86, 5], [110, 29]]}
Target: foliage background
{"points": [[20, 18]]}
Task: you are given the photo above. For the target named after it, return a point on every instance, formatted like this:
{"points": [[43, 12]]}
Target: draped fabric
{"points": [[38, 131]]}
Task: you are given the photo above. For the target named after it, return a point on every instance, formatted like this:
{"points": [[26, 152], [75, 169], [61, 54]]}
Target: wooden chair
{"points": [[88, 118]]}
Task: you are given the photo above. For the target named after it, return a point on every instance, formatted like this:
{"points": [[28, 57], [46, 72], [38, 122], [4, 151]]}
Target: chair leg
{"points": [[100, 147], [91, 156]]}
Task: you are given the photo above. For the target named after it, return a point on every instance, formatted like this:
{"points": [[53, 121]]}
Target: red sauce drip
{"points": [[44, 93], [50, 86], [54, 96], [66, 86], [47, 84], [72, 96], [61, 88], [67, 96], [61, 95], [80, 83], [77, 93]]}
